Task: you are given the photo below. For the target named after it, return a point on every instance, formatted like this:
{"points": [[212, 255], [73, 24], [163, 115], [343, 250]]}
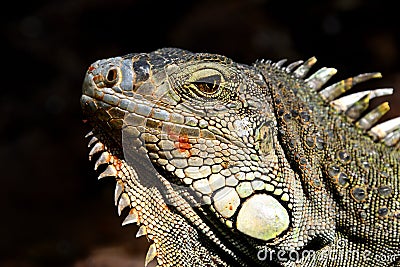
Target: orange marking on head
{"points": [[183, 143], [90, 69]]}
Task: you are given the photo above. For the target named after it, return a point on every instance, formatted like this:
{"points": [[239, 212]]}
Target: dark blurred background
{"points": [[55, 212]]}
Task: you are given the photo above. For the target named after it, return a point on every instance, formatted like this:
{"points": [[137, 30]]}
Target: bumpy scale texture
{"points": [[225, 164]]}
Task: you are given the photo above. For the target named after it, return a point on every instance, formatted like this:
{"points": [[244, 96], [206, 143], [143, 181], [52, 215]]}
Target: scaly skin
{"points": [[224, 164]]}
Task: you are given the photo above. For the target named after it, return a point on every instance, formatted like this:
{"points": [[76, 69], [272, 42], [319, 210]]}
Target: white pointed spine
{"points": [[303, 69], [320, 77], [119, 187], [373, 116], [392, 138], [124, 202], [89, 134], [151, 254], [98, 147], [93, 140], [131, 218], [343, 103], [142, 231], [381, 130], [293, 65], [103, 159], [354, 112], [335, 90], [280, 63], [108, 172]]}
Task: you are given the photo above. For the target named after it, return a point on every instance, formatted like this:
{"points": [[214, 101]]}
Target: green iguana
{"points": [[225, 164]]}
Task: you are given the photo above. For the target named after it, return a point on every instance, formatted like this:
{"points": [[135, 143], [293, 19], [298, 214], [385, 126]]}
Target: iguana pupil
{"points": [[209, 84]]}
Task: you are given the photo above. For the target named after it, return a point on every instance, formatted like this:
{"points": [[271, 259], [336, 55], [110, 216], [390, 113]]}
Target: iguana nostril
{"points": [[111, 77]]}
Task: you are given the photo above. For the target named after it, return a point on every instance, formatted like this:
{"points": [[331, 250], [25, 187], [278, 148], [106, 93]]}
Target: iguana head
{"points": [[204, 122], [246, 144]]}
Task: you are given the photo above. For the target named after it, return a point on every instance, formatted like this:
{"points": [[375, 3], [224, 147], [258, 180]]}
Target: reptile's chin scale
{"points": [[219, 161]]}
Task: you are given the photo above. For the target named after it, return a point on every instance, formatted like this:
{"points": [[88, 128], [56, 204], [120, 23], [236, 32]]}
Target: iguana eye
{"points": [[206, 81], [209, 84]]}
